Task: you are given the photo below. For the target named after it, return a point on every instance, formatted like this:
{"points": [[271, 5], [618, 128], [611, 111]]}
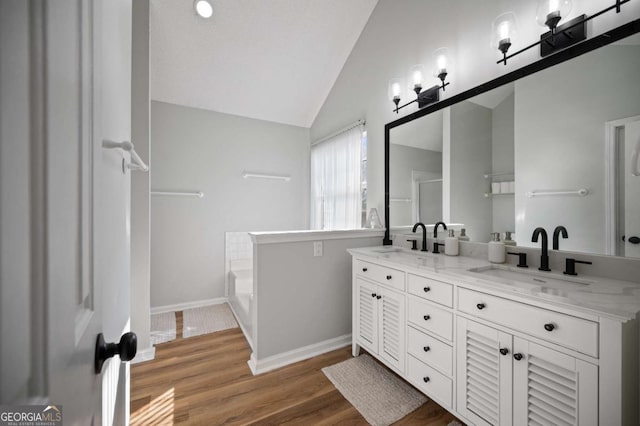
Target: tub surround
{"points": [[479, 345]]}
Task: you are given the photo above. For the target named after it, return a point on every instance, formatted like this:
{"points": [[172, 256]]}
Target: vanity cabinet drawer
{"points": [[565, 330], [431, 318], [429, 289], [430, 350], [434, 384], [387, 276]]}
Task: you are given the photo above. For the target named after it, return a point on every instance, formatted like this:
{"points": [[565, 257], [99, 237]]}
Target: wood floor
{"points": [[205, 380]]}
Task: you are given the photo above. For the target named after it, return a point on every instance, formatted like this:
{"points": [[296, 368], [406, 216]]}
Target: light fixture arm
{"points": [[550, 38]]}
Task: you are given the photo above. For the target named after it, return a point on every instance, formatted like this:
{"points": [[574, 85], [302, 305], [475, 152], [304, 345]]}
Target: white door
{"points": [[392, 326], [632, 189], [552, 388], [65, 203], [484, 373], [367, 315]]}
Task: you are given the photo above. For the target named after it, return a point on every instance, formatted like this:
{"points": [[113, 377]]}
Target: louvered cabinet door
{"points": [[391, 333], [553, 388], [484, 377], [367, 315]]}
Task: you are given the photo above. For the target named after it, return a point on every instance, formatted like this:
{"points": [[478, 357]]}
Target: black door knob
{"points": [[517, 357], [364, 269], [388, 277], [126, 348], [481, 306], [426, 348], [504, 351], [549, 327], [426, 379], [427, 289], [427, 317]]}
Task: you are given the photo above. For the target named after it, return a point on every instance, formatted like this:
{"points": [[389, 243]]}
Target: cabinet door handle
{"points": [[426, 379], [378, 297], [481, 306], [517, 357], [373, 295], [549, 327], [427, 289], [504, 351], [388, 277], [364, 269], [426, 348], [427, 317]]}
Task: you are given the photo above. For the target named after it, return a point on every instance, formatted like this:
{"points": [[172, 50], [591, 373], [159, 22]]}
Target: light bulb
{"points": [[416, 78], [203, 8], [442, 63], [395, 90], [504, 30], [553, 6]]}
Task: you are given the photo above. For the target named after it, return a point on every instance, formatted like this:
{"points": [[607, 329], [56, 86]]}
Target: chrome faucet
{"points": [[544, 257], [424, 234], [556, 236], [436, 245]]}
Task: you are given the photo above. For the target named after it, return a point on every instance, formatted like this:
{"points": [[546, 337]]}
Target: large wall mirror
{"points": [[551, 144]]}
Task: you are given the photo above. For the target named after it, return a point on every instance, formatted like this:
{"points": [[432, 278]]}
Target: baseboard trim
{"points": [[280, 360], [147, 354], [188, 305], [244, 330]]}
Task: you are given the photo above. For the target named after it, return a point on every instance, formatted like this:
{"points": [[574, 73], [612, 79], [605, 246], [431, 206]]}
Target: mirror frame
{"points": [[589, 45]]}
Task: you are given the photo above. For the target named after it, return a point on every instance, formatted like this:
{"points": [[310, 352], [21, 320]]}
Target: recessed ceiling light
{"points": [[203, 8]]}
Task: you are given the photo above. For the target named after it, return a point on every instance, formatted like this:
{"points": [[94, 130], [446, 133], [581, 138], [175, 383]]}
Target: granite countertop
{"points": [[593, 295]]}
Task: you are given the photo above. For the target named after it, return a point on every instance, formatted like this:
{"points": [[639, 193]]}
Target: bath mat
{"points": [[207, 319], [163, 327], [379, 395]]}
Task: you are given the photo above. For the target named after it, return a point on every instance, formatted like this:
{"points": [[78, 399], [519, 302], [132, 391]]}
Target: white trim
{"points": [[244, 330], [188, 305], [147, 354], [296, 355], [310, 235], [610, 194]]}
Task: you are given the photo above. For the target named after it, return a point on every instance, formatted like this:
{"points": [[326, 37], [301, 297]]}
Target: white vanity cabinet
{"points": [[494, 356], [380, 313]]}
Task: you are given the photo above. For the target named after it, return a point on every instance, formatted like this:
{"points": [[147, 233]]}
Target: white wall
{"points": [[503, 162], [469, 147], [140, 182], [404, 160], [556, 150], [401, 33], [199, 150], [302, 299]]}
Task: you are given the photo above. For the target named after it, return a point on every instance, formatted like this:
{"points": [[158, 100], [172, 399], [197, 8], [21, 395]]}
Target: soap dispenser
{"points": [[463, 235], [451, 244], [496, 249], [507, 239]]}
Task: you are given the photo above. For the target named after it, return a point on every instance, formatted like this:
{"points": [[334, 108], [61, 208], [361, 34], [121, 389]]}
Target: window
{"points": [[337, 184]]}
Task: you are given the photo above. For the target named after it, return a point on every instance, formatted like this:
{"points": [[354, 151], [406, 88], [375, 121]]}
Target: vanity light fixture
{"points": [[203, 8], [549, 14], [416, 80]]}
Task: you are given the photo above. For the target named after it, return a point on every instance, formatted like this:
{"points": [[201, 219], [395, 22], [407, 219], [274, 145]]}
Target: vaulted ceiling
{"points": [[272, 60]]}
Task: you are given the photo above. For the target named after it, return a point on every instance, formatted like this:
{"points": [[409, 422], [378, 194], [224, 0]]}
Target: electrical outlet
{"points": [[317, 248]]}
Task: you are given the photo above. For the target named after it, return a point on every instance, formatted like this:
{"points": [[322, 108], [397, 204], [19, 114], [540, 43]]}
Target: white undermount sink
{"points": [[530, 278]]}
